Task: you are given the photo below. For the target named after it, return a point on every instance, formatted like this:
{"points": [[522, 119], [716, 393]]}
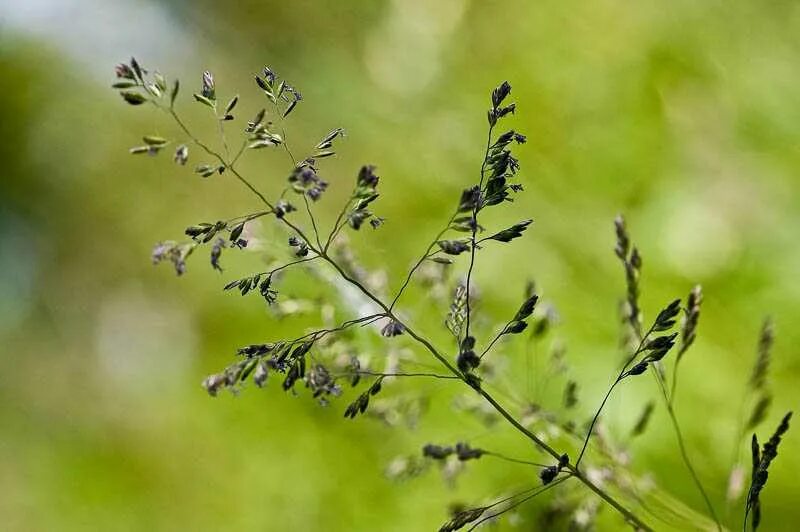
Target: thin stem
{"points": [[475, 226], [238, 176], [335, 231], [219, 157], [531, 339], [619, 378], [320, 333], [607, 454], [491, 344], [248, 217], [539, 490], [401, 374], [425, 256], [313, 221], [737, 447], [511, 497], [294, 164], [283, 131], [594, 420], [514, 460], [240, 152], [678, 356], [287, 265], [682, 447], [302, 235], [687, 461], [222, 136], [495, 339], [336, 226], [253, 189]]}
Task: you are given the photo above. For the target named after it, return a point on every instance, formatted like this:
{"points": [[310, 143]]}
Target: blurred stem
{"points": [[536, 491], [682, 446], [379, 374], [682, 351], [737, 448], [222, 135]]}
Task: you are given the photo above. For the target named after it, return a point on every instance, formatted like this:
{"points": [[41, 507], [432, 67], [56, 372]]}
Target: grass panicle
{"points": [[330, 363]]}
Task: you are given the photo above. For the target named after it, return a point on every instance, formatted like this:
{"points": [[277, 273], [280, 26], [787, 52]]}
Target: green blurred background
{"points": [[683, 115]]}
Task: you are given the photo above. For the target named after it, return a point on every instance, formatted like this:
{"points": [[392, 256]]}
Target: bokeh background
{"points": [[683, 115]]}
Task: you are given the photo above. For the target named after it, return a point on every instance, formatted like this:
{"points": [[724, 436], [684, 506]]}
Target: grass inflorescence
{"points": [[314, 361]]}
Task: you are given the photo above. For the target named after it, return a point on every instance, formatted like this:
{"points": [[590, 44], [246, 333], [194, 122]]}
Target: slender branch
{"points": [[682, 446], [495, 339], [539, 490], [511, 497], [222, 135], [283, 131], [425, 256], [595, 418], [294, 164], [283, 143], [320, 333], [475, 228], [737, 446], [684, 347], [336, 226], [515, 460], [313, 221], [619, 378], [240, 152], [217, 156], [301, 234], [336, 230], [287, 265], [248, 217], [401, 374], [687, 461]]}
